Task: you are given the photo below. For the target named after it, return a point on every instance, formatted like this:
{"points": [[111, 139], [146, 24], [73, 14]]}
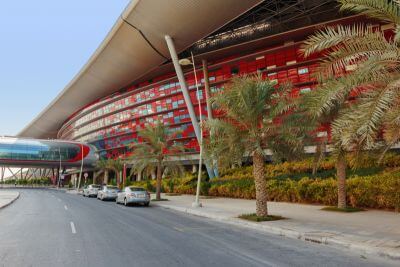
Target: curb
{"points": [[340, 243], [10, 202]]}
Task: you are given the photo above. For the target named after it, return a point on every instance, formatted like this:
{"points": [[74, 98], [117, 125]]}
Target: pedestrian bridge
{"points": [[24, 152]]}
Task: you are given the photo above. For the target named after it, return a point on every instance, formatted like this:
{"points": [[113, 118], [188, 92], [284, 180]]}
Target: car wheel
{"points": [[102, 198], [125, 202], [146, 204]]}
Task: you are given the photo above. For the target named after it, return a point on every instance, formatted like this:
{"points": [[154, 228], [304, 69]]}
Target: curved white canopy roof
{"points": [[134, 47]]}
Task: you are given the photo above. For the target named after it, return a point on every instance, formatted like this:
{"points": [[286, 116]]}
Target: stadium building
{"points": [[136, 76]]}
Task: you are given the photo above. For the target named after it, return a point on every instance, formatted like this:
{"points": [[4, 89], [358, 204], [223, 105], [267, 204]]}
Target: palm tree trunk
{"points": [[341, 180], [319, 155], [260, 184], [105, 181], [158, 182], [117, 178]]}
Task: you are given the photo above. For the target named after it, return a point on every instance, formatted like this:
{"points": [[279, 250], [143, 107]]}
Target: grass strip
{"points": [[253, 217]]}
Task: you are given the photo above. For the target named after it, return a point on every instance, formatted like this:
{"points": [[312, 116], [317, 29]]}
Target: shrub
{"points": [[368, 187], [150, 186]]}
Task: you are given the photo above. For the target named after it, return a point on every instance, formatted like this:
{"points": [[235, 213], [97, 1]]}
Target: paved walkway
{"points": [[7, 197], [375, 232]]}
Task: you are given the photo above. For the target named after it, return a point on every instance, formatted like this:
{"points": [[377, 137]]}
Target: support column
{"points": [[124, 176], [207, 88], [209, 106], [185, 92], [139, 176]]}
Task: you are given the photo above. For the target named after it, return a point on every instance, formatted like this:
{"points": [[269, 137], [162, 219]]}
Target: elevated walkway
{"points": [[23, 152]]}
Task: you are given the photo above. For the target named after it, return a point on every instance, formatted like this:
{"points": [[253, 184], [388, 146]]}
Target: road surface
{"points": [[52, 228]]}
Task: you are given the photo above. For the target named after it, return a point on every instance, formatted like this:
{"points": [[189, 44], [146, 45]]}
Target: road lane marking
{"points": [[65, 207], [73, 227], [178, 229]]}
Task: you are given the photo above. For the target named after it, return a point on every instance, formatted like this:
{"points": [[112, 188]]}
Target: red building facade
{"points": [[112, 123]]}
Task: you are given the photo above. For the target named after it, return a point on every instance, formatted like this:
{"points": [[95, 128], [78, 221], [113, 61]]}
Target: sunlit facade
{"points": [[109, 118], [112, 123]]}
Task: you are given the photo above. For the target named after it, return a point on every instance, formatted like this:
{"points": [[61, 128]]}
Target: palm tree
{"points": [[156, 152], [101, 165], [115, 165], [253, 113], [376, 79], [371, 63]]}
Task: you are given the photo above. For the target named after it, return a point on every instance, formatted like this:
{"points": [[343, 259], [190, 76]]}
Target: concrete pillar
{"points": [[207, 89], [185, 92]]}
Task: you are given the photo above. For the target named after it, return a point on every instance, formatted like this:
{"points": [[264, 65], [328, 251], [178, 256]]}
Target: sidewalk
{"points": [[370, 232], [7, 197]]}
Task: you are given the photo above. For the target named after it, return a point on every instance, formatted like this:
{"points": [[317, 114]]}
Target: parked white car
{"points": [[133, 195], [108, 192], [91, 190]]}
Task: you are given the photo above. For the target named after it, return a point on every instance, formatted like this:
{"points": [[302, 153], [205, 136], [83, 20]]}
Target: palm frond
{"points": [[359, 125], [334, 92], [357, 51], [333, 36], [385, 10], [225, 143]]}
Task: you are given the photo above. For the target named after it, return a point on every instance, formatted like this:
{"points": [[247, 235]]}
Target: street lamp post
{"points": [[186, 61], [59, 170], [80, 173]]}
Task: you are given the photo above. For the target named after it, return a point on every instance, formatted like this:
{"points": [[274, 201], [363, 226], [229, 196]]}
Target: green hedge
{"points": [[35, 181], [367, 187]]}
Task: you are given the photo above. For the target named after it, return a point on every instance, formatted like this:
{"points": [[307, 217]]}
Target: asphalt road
{"points": [[52, 228]]}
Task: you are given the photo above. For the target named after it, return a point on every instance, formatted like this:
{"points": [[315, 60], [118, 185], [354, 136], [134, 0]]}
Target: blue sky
{"points": [[43, 44]]}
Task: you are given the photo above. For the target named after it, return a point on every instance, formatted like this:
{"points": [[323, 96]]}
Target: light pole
{"points": [[80, 173], [184, 62], [185, 92], [59, 170]]}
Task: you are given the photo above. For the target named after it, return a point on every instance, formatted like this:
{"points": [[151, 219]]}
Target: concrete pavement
{"points": [[372, 232], [7, 197], [52, 228]]}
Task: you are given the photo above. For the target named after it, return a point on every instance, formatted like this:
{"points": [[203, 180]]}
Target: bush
{"points": [[150, 186], [376, 191], [368, 187]]}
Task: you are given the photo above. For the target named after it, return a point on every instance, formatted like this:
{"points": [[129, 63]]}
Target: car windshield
{"points": [[137, 189], [112, 188]]}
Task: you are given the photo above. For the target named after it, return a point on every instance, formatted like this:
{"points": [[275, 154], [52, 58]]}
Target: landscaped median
{"points": [[7, 197], [370, 232]]}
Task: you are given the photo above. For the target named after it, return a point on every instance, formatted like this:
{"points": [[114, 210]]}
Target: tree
{"points": [[361, 65], [115, 165], [258, 115], [157, 152]]}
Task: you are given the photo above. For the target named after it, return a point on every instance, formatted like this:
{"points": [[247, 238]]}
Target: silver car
{"points": [[133, 195], [108, 192], [91, 190]]}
